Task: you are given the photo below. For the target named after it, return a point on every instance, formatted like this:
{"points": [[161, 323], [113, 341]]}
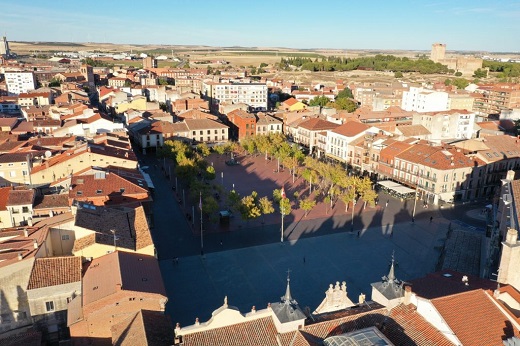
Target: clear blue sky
{"points": [[346, 24]]}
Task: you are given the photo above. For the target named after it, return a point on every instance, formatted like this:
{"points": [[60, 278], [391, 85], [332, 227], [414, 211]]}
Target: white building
{"points": [[424, 100], [447, 124], [252, 94], [339, 140], [19, 82]]}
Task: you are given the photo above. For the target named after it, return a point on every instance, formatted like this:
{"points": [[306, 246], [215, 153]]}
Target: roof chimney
{"points": [[25, 232], [35, 243], [20, 256], [407, 295]]}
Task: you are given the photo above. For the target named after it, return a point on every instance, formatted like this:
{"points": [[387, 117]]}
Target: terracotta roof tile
{"points": [[317, 124], [145, 327], [4, 195], [121, 269], [29, 338], [51, 201], [474, 318], [351, 129], [20, 197], [54, 271]]}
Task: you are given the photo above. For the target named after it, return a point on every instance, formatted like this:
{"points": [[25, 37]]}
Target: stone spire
{"points": [[391, 273], [287, 299]]}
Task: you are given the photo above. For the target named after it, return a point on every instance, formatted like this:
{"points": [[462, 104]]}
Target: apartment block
{"points": [[424, 100], [19, 82], [252, 94], [453, 124], [494, 99]]}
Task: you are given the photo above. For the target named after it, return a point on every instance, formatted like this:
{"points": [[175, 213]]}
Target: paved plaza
{"points": [[249, 264]]}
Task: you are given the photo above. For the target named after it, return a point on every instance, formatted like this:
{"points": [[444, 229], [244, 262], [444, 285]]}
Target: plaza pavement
{"points": [[256, 275], [249, 264]]}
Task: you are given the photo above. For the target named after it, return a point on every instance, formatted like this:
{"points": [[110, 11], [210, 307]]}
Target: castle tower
{"points": [[4, 47], [438, 52]]}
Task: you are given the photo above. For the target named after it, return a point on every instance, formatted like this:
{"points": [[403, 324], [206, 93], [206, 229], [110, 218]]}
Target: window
{"points": [[12, 174], [194, 133], [65, 237], [201, 132], [49, 306], [79, 193], [209, 131], [25, 209]]}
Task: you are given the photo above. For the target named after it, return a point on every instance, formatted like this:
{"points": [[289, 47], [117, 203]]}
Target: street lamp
{"points": [[352, 221], [415, 200]]}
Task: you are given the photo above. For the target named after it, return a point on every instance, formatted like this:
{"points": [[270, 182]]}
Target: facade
{"points": [[339, 140], [35, 99], [460, 102], [252, 94], [307, 132], [117, 82], [206, 131], [149, 62], [19, 82], [438, 52], [267, 124], [14, 169], [454, 124], [497, 98], [243, 124], [423, 100], [54, 281]]}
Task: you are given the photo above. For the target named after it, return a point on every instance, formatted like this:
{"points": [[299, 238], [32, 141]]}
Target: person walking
{"points": [[386, 204], [431, 219]]}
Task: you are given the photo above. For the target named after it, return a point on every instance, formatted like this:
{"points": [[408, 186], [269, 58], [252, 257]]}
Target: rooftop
{"points": [[53, 271]]}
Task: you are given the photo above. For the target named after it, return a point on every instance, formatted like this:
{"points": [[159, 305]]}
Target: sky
{"points": [[487, 26]]}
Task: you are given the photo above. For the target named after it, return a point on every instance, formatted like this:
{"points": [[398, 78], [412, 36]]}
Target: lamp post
{"points": [[352, 221], [415, 201]]}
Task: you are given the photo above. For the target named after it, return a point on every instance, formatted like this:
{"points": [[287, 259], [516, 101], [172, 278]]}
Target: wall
{"points": [[13, 283]]}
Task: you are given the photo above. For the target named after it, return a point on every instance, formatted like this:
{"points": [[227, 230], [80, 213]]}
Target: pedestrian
{"points": [[386, 205], [391, 233], [431, 219], [358, 233], [303, 259]]}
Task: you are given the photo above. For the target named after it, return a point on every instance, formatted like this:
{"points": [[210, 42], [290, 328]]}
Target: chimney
{"points": [[253, 309], [119, 287], [511, 236], [197, 323], [510, 175], [35, 243], [361, 299], [20, 256], [407, 295], [25, 232]]}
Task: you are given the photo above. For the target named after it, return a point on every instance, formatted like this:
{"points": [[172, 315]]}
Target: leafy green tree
{"points": [[447, 81], [480, 73], [203, 149], [285, 206], [307, 205], [209, 173], [344, 104], [458, 74], [233, 199], [219, 149], [263, 64], [128, 83], [369, 196], [327, 200], [345, 93], [310, 176], [277, 195], [398, 74], [249, 208], [54, 82], [163, 81], [319, 101], [348, 196], [266, 206], [460, 83], [209, 205]]}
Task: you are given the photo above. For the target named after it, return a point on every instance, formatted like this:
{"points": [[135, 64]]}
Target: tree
{"points": [[327, 200], [345, 93], [460, 83], [285, 206], [398, 74], [458, 74], [263, 64], [266, 206], [209, 173], [128, 83], [249, 207], [277, 195], [307, 205], [344, 104], [447, 81], [319, 101], [203, 149], [54, 82], [480, 73], [219, 149], [233, 199], [163, 106], [369, 196], [209, 205]]}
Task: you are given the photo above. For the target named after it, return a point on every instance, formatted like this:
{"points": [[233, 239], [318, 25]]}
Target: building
{"points": [[460, 101], [252, 94], [149, 62], [53, 283], [242, 124], [19, 82], [307, 132], [4, 48], [267, 124], [497, 98], [88, 73], [98, 230], [339, 141], [14, 169], [424, 100], [292, 104], [453, 124], [465, 65], [116, 286], [35, 99], [117, 82], [207, 131]]}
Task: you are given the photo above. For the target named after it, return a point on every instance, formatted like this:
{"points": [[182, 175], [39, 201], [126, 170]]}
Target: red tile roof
{"points": [[144, 328], [20, 197], [290, 101], [4, 195], [124, 270], [317, 124], [474, 318], [351, 129], [54, 271]]}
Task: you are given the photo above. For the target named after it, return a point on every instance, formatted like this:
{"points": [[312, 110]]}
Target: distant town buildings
{"points": [[19, 82], [465, 65]]}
